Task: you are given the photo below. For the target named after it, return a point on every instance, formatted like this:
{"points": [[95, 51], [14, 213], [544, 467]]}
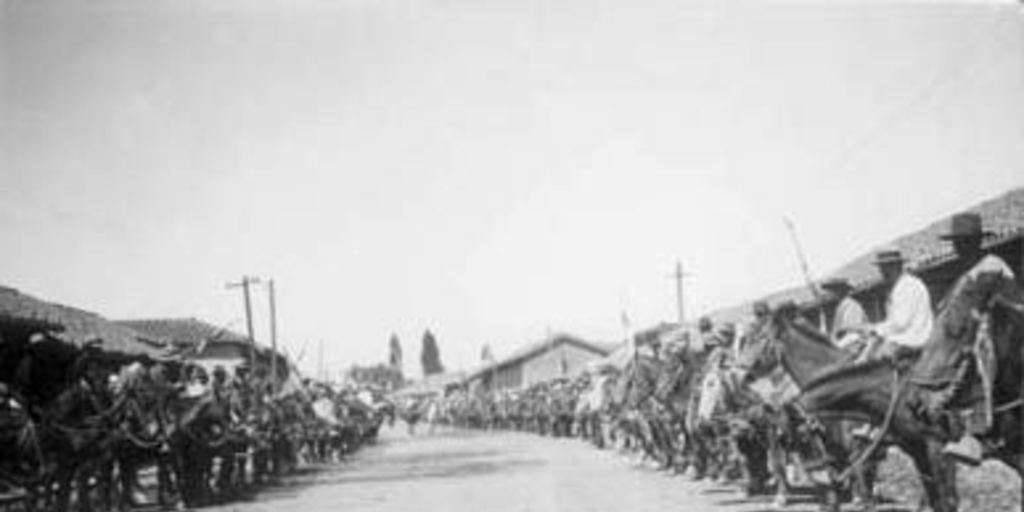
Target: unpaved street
{"points": [[495, 472]]}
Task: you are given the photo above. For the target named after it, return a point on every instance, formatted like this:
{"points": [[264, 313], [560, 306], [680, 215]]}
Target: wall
{"points": [[509, 377], [228, 355], [549, 365]]}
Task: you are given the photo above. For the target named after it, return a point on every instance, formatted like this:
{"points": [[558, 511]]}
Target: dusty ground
{"points": [[508, 472]]}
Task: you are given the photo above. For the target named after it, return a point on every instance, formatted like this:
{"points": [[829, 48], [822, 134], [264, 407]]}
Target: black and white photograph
{"points": [[511, 255]]}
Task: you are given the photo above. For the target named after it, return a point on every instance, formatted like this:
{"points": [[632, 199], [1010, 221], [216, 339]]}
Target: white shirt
{"points": [[908, 320]]}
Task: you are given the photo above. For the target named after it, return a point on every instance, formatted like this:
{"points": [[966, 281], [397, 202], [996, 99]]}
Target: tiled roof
{"points": [[182, 331], [25, 311], [75, 325], [1002, 215], [532, 349]]}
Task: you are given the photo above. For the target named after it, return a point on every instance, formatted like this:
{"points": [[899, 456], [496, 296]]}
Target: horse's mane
{"points": [[811, 332], [842, 371]]}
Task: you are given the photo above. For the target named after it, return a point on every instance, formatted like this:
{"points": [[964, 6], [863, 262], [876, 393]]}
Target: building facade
{"points": [[560, 356]]}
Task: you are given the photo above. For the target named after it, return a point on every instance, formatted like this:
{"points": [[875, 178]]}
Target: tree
{"points": [[430, 356], [395, 353]]}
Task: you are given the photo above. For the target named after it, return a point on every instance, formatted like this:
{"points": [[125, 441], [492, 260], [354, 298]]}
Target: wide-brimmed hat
{"points": [[761, 307], [727, 328], [889, 256], [837, 284], [965, 225]]}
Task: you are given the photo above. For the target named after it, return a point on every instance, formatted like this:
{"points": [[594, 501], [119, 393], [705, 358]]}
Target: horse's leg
{"points": [[948, 471], [64, 482], [83, 486], [777, 466], [928, 459], [700, 454], [163, 484], [862, 484], [108, 485]]}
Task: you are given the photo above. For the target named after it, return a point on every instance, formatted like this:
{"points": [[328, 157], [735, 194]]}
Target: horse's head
{"points": [[21, 459], [759, 352]]}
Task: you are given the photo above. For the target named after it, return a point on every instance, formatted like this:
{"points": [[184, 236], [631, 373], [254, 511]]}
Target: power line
{"points": [[925, 92]]}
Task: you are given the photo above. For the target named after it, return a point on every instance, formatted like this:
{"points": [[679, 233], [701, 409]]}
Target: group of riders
{"points": [[88, 428], [783, 398]]}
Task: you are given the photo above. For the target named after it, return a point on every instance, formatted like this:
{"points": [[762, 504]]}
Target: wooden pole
{"points": [[803, 259], [320, 362], [274, 378], [806, 271], [679, 276], [245, 284]]}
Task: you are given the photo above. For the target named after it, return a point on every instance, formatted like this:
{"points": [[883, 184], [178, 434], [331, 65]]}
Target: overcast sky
{"points": [[488, 169]]}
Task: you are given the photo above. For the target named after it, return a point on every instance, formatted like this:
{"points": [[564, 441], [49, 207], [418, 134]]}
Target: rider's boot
{"points": [[967, 450]]}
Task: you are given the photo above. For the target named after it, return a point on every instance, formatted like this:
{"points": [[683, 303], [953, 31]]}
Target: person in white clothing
{"points": [[908, 313], [849, 321]]}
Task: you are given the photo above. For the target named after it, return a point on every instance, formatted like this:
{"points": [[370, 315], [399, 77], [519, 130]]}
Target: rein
{"points": [[863, 456]]}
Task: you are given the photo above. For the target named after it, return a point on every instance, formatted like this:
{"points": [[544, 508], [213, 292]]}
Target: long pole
{"points": [[679, 276], [273, 336], [803, 259], [245, 284], [320, 362]]}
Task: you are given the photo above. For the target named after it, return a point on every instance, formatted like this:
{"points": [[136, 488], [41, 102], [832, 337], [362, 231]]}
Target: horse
{"points": [[803, 352], [981, 315], [677, 392], [593, 402], [200, 432], [22, 463], [975, 355], [640, 416]]}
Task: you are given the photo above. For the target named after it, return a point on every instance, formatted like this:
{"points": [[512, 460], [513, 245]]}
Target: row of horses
{"points": [[789, 397], [78, 426]]}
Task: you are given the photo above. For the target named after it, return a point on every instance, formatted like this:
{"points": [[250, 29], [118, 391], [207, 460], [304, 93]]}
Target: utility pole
{"points": [[321, 369], [244, 284], [273, 336], [679, 276]]}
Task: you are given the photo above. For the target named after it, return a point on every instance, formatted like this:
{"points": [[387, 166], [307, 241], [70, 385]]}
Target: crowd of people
{"points": [[85, 428], [746, 402]]}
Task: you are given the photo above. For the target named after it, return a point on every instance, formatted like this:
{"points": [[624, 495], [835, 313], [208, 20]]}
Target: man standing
{"points": [[908, 313], [850, 320]]}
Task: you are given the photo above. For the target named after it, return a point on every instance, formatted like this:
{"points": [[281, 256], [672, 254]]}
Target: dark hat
{"points": [[889, 255], [704, 323], [837, 284], [761, 307], [965, 225]]}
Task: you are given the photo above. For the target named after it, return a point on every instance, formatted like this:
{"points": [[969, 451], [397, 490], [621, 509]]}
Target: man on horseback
{"points": [[849, 321], [908, 313], [967, 235]]}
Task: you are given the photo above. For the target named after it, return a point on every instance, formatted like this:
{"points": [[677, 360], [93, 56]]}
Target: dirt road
{"points": [[495, 472], [465, 471]]}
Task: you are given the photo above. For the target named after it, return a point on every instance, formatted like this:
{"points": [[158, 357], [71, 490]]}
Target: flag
{"points": [[627, 328], [486, 355]]}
